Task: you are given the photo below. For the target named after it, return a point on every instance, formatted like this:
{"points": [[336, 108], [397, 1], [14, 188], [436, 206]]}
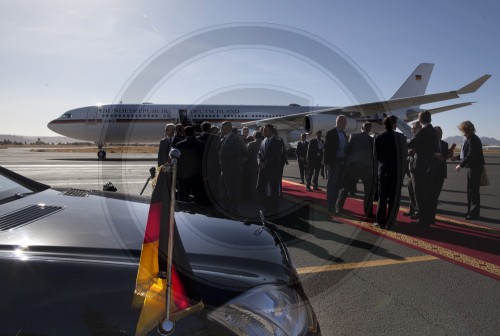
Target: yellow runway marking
{"points": [[363, 264]]}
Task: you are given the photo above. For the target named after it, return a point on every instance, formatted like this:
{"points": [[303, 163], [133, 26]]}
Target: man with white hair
{"points": [[360, 164], [166, 144], [334, 159]]}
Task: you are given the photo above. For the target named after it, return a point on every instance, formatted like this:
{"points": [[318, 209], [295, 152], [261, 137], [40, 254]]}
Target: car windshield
{"points": [[9, 188]]}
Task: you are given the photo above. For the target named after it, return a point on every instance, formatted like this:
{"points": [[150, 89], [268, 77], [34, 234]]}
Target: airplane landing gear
{"points": [[101, 154]]}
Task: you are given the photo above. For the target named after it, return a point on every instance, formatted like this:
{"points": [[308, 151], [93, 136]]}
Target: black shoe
{"points": [[416, 215], [308, 189], [302, 182], [408, 214], [471, 217], [317, 189], [379, 226]]}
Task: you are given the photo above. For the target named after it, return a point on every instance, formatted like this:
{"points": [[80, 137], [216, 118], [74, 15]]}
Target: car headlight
{"points": [[266, 310]]}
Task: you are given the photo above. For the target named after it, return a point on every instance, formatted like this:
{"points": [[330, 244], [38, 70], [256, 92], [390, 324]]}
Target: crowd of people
{"points": [[382, 162], [225, 168]]}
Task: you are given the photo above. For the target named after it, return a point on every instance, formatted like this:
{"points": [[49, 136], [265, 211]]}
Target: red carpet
{"points": [[469, 245]]}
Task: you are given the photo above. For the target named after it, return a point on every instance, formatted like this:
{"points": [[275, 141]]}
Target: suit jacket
{"points": [[359, 150], [473, 153], [314, 154], [253, 148], [424, 144], [189, 165], [271, 154], [163, 151], [176, 139], [210, 162], [232, 152], [332, 144], [390, 151], [441, 167], [204, 137], [301, 150]]}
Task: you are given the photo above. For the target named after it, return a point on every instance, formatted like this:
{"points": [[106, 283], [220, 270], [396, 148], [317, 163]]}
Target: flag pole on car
{"points": [[165, 288]]}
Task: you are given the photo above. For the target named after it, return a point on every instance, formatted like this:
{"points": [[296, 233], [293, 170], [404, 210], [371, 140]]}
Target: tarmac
{"points": [[359, 281]]}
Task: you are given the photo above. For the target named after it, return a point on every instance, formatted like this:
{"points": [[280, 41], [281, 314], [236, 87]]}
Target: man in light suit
{"points": [[314, 159], [166, 144], [359, 164], [424, 143], [301, 153], [270, 167], [335, 146]]}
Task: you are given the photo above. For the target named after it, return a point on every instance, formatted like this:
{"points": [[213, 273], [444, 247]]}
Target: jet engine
{"points": [[325, 122]]}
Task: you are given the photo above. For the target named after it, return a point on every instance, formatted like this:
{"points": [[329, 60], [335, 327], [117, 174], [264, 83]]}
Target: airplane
{"points": [[144, 123]]}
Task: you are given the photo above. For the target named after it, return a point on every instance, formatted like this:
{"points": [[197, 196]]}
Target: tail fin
{"points": [[416, 84]]}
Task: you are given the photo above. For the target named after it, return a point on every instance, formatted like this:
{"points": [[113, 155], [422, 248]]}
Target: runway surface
{"points": [[359, 281]]}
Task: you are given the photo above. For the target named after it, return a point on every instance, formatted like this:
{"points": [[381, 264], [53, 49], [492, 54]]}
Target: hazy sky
{"points": [[60, 55]]}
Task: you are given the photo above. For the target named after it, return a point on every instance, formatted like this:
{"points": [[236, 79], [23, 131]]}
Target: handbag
{"points": [[484, 180]]}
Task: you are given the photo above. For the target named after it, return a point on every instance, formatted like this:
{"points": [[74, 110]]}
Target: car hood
{"points": [[108, 229]]}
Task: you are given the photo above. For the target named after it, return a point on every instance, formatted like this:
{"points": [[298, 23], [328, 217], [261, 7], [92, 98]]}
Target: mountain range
{"points": [[33, 139], [459, 140], [62, 140]]}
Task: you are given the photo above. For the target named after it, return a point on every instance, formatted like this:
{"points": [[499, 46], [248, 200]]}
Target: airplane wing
{"points": [[394, 104], [440, 109], [291, 121], [368, 110]]}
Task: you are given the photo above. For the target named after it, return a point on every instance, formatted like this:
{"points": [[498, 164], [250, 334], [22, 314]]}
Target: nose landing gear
{"points": [[101, 154]]}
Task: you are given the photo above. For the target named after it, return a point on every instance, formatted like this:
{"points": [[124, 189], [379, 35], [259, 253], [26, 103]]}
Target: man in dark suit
{"points": [[179, 135], [252, 165], [410, 172], [314, 159], [231, 152], [210, 163], [189, 175], [424, 144], [301, 153], [166, 144], [335, 146], [270, 167], [359, 164], [390, 151], [441, 155]]}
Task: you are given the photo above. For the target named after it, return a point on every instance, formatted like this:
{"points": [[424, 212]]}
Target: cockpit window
{"points": [[67, 116]]}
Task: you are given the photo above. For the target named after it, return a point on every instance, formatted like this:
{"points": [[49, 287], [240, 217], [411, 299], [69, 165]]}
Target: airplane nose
{"points": [[56, 127], [51, 125]]}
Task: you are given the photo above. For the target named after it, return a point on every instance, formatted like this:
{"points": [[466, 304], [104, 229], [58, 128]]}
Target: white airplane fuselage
{"points": [[145, 123]]}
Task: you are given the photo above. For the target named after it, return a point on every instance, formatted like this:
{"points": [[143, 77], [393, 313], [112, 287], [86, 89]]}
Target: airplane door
{"points": [[183, 117], [92, 114]]}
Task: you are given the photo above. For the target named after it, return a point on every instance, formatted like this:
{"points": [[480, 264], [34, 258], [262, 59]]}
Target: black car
{"points": [[69, 260]]}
